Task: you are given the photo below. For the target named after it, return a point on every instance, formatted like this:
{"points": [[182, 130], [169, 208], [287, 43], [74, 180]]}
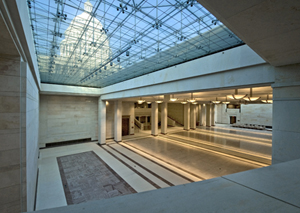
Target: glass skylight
{"points": [[99, 43]]}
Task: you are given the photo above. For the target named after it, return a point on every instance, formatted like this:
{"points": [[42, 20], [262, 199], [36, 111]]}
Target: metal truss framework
{"points": [[143, 37]]}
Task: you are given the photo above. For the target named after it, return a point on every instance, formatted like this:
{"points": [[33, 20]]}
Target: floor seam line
{"points": [[134, 170], [148, 170]]}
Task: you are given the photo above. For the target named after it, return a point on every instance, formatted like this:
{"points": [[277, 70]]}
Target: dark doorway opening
{"points": [[125, 125], [232, 119]]}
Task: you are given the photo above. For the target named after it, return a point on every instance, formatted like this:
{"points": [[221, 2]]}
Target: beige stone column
{"points": [[203, 112], [186, 115], [208, 115], [101, 121], [164, 115], [118, 121], [193, 116], [212, 119], [200, 114], [154, 119]]}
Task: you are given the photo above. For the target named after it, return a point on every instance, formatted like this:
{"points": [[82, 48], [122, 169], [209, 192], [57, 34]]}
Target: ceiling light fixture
{"points": [[235, 96], [183, 102], [216, 101], [192, 99], [226, 102], [267, 101], [250, 98], [140, 101], [173, 99], [195, 103], [159, 100]]}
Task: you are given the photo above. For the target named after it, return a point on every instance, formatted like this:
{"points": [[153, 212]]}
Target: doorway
{"points": [[232, 119], [125, 125]]}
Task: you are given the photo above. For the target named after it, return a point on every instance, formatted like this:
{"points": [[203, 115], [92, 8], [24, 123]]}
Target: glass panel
{"points": [[99, 43]]}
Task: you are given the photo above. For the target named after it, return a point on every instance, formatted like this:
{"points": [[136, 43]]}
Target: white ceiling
{"points": [[270, 28]]}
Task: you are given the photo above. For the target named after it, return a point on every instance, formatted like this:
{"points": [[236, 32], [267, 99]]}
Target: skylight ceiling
{"points": [[99, 43]]}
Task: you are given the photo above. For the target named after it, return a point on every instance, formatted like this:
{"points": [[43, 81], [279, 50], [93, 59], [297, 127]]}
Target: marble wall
{"points": [[260, 114], [66, 118], [257, 114], [10, 135], [19, 107]]}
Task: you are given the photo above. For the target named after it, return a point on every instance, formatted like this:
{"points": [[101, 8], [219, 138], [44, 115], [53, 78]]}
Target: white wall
{"points": [[32, 146], [260, 114], [65, 118], [222, 116], [257, 114]]}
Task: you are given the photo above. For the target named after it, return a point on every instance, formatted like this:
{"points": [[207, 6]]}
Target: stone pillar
{"points": [[154, 119], [193, 116], [200, 114], [212, 119], [186, 116], [208, 116], [203, 111], [101, 121], [118, 121], [164, 115], [286, 114]]}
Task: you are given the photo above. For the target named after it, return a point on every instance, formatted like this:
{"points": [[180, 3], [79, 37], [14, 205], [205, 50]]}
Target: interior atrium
{"points": [[149, 106]]}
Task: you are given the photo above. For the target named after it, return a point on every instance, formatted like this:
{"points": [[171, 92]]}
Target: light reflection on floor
{"points": [[203, 162]]}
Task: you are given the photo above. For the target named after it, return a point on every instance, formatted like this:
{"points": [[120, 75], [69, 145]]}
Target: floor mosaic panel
{"points": [[85, 176]]}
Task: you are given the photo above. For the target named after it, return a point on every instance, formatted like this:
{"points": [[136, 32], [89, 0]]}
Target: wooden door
{"points": [[232, 119], [125, 126]]}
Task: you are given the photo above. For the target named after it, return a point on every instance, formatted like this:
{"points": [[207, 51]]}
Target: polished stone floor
{"points": [[145, 162]]}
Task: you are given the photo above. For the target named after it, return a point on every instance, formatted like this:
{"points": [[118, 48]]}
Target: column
{"points": [[208, 116], [118, 121], [193, 116], [203, 112], [164, 114], [154, 119], [212, 119], [286, 114], [101, 121], [200, 114], [186, 118]]}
